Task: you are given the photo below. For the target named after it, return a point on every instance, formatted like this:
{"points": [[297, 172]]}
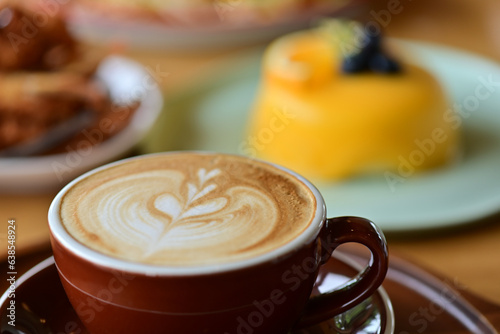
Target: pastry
{"points": [[331, 110], [46, 80]]}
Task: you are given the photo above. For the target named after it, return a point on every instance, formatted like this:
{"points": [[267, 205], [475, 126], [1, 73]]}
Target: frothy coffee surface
{"points": [[187, 209]]}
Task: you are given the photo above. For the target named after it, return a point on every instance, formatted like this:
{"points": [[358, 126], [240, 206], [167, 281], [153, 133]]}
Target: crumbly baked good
{"points": [[330, 113], [46, 78]]}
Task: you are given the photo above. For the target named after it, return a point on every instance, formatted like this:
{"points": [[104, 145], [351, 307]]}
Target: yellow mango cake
{"points": [[329, 114]]}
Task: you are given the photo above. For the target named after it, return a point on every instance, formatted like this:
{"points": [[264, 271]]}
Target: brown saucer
{"points": [[42, 306], [428, 303], [422, 302]]}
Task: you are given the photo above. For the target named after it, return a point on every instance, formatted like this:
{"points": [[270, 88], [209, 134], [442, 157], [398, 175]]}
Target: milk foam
{"points": [[168, 216]]}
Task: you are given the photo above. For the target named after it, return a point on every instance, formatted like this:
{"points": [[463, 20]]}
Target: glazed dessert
{"points": [[331, 111], [47, 81]]}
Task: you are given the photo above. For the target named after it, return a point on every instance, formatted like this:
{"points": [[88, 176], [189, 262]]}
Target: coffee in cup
{"points": [[197, 242], [187, 209]]}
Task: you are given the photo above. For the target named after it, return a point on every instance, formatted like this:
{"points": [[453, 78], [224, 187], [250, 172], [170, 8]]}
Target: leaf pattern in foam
{"points": [[204, 191], [204, 176], [186, 210], [206, 208], [178, 211], [169, 205]]}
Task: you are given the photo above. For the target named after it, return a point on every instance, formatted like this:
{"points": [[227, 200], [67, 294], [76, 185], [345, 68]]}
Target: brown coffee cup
{"points": [[265, 290]]}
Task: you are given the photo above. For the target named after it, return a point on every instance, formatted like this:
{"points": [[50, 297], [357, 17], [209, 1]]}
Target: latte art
{"points": [[187, 209]]}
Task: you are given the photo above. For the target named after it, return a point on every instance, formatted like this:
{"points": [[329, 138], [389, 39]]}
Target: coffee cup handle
{"points": [[338, 231]]}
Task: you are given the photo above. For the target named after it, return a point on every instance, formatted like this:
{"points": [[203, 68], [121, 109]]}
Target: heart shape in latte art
{"points": [[178, 210], [165, 217]]}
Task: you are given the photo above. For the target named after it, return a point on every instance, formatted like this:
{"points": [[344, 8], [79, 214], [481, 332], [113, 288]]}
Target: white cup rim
{"points": [[70, 244]]}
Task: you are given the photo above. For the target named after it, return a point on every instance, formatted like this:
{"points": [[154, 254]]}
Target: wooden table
{"points": [[469, 255], [472, 254]]}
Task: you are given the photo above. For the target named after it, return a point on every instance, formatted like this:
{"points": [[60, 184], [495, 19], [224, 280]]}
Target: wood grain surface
{"points": [[469, 254]]}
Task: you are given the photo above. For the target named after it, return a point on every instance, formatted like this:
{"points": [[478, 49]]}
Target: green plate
{"points": [[213, 116]]}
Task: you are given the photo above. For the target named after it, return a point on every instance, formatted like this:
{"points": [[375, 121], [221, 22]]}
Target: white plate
{"points": [[105, 28], [125, 79], [213, 118]]}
